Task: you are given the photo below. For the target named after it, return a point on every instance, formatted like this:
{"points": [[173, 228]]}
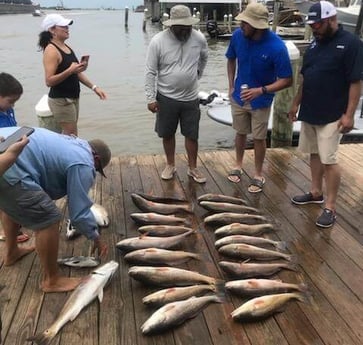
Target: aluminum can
{"points": [[244, 87]]}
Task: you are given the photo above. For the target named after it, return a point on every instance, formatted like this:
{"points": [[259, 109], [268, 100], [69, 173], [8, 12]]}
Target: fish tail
{"points": [[220, 288], [304, 297], [292, 258], [292, 267], [281, 245], [304, 288], [44, 338]]}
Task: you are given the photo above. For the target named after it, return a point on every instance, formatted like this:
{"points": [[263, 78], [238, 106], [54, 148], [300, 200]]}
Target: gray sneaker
{"points": [[326, 219], [307, 198]]}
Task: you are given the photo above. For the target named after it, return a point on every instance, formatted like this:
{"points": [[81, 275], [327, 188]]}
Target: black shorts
{"points": [[171, 112]]}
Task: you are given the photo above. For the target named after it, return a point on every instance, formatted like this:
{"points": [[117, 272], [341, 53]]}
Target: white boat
{"points": [[219, 110], [348, 16]]}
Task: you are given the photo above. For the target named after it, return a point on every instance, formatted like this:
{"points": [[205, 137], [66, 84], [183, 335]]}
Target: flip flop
{"points": [[235, 173], [256, 185]]}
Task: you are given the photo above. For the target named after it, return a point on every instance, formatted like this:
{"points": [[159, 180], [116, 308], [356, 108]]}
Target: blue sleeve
{"points": [[80, 179]]}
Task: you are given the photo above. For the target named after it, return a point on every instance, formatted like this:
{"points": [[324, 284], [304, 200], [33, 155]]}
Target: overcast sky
{"points": [[91, 3]]}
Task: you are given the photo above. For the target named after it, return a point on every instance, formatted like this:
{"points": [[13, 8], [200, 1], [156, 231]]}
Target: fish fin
{"points": [[100, 295], [281, 245], [44, 338]]}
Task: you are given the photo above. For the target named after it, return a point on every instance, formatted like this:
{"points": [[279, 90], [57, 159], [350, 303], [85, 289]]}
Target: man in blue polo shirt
{"points": [[264, 67], [328, 97]]}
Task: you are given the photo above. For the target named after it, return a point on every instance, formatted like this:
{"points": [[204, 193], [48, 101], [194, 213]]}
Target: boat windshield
{"points": [[355, 3]]}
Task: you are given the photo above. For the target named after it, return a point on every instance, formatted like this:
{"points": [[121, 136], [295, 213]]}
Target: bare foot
{"points": [[17, 254], [60, 284]]}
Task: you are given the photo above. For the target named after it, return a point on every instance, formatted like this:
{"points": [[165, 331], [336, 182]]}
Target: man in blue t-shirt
{"points": [[328, 97], [263, 68]]}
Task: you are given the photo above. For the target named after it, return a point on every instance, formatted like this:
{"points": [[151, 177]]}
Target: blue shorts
{"points": [[171, 112], [32, 208]]}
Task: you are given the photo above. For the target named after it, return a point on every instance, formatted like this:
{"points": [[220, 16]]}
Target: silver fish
{"points": [[174, 294], [149, 218], [157, 256], [143, 242], [163, 199], [71, 231], [222, 198], [259, 287], [163, 230], [261, 307], [152, 206], [175, 313], [100, 214], [168, 276], [79, 261], [247, 251], [231, 217], [227, 207], [90, 288], [252, 270], [243, 229], [249, 240]]}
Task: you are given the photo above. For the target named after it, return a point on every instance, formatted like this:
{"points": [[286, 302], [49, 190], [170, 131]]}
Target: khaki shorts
{"points": [[320, 139], [246, 120], [64, 109]]}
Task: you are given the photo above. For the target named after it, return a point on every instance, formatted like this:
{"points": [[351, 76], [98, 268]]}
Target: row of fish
{"points": [[186, 292], [237, 239]]}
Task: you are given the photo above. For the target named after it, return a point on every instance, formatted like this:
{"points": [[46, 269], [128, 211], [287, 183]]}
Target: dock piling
{"points": [[126, 17], [144, 21]]}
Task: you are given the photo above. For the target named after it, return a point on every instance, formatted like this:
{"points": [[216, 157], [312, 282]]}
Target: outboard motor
{"points": [[212, 28]]}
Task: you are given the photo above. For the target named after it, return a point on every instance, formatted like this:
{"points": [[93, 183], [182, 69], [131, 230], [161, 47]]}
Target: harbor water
{"points": [[117, 63]]}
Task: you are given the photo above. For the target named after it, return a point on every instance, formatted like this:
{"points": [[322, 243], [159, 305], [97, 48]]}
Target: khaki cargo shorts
{"points": [[246, 120], [64, 109], [320, 139]]}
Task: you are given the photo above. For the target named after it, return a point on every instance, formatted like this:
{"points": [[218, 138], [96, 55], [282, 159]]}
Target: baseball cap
{"points": [[319, 11], [54, 19], [101, 149]]}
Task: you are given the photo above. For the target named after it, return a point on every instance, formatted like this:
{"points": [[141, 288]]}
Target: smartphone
{"points": [[16, 136], [84, 59]]}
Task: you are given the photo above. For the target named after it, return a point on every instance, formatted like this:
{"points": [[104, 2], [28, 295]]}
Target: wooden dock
{"points": [[330, 261]]}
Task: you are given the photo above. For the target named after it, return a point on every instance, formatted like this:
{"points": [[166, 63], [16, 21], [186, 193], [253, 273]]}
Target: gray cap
{"points": [[101, 149]]}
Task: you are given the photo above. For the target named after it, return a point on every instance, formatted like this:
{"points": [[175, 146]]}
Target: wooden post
{"points": [[126, 17], [276, 15], [215, 15], [225, 17], [358, 28], [230, 23], [165, 17], [144, 21], [282, 128]]}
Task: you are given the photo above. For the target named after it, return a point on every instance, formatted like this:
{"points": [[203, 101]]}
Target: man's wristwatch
{"points": [[264, 89]]}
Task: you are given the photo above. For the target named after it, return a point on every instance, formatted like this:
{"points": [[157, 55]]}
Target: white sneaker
{"points": [[168, 172], [196, 175]]}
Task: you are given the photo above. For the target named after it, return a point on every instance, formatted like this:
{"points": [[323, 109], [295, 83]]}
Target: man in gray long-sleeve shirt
{"points": [[175, 62]]}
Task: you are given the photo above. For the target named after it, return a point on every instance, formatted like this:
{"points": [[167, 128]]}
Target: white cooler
{"points": [[45, 116]]}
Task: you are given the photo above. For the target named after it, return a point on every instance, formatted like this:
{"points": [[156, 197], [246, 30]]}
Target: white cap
{"points": [[319, 11], [55, 19]]}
